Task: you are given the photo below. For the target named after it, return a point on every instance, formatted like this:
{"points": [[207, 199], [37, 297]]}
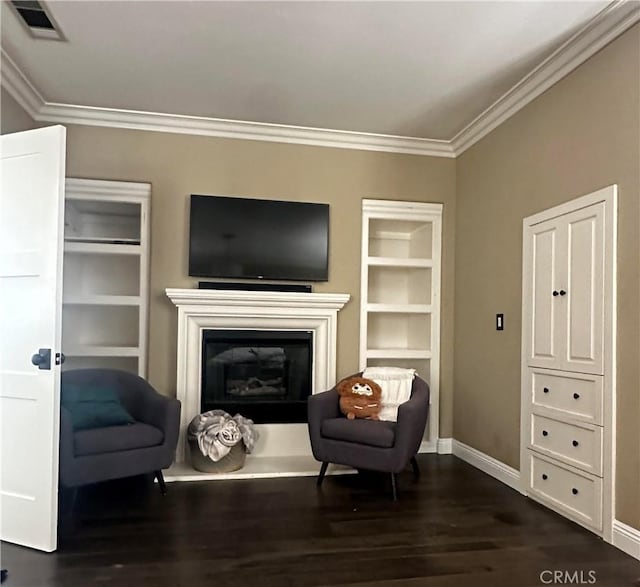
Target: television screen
{"points": [[263, 239]]}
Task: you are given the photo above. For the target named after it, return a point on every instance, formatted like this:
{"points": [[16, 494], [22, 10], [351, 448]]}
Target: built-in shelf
{"points": [[101, 300], [94, 248], [400, 308], [102, 240], [106, 274], [396, 262], [398, 354], [100, 351], [400, 291]]}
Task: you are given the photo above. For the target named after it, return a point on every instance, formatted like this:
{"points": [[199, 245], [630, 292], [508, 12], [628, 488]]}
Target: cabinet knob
{"points": [[563, 293], [555, 293], [545, 390], [544, 476], [575, 443], [576, 396], [545, 433], [574, 491]]}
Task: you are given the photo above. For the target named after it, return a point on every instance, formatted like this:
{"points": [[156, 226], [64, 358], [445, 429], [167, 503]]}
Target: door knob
{"points": [[42, 359], [545, 390], [563, 293], [555, 293]]}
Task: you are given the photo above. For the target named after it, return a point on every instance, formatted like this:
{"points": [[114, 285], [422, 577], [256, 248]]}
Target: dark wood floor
{"points": [[453, 527]]}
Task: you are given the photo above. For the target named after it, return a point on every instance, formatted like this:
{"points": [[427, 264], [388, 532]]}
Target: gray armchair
{"points": [[100, 454], [368, 444]]}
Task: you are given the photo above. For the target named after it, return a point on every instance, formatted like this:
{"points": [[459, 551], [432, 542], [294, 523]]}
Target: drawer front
{"points": [[575, 395], [578, 495], [580, 446]]}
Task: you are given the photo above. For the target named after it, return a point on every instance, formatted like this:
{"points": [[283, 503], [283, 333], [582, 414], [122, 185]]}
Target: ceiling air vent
{"points": [[38, 21]]}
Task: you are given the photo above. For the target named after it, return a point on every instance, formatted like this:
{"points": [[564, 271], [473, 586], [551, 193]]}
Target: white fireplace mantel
{"points": [[207, 309]]}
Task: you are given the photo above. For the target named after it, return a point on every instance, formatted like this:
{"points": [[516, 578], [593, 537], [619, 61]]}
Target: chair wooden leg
{"points": [[323, 470], [416, 469], [160, 477], [393, 487]]}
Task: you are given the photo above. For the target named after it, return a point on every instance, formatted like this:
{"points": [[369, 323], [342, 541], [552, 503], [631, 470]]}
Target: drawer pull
{"points": [[545, 433], [575, 443], [574, 491], [576, 396], [544, 476], [545, 390]]}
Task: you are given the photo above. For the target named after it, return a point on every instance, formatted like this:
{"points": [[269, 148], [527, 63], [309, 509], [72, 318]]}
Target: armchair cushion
{"points": [[116, 439], [94, 406], [368, 432]]}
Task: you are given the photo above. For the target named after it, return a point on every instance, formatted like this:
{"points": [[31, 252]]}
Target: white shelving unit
{"points": [[400, 291], [106, 274]]}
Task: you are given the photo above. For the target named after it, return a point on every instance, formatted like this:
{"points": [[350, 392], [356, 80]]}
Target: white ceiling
{"points": [[413, 69]]}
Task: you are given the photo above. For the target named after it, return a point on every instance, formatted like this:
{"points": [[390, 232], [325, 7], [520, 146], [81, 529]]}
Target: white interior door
{"points": [[31, 233]]}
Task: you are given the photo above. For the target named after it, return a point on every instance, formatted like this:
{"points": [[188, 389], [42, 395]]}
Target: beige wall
{"points": [[178, 165], [13, 117], [581, 135]]}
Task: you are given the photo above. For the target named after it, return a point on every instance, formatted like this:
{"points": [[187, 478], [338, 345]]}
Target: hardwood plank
{"points": [[454, 527]]}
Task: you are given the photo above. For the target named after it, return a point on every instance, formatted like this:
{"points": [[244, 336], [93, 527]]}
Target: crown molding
{"points": [[239, 129], [19, 87], [608, 24]]}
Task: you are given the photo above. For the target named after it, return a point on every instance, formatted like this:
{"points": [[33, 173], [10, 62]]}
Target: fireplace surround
{"points": [[200, 310]]}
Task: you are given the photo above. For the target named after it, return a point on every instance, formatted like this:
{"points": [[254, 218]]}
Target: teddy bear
{"points": [[359, 398]]}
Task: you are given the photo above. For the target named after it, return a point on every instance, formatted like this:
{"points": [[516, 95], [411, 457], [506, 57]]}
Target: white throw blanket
{"points": [[395, 383]]}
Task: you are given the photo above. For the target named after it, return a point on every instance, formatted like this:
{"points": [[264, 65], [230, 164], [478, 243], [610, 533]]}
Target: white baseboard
{"points": [[445, 446], [497, 469], [442, 446], [626, 538]]}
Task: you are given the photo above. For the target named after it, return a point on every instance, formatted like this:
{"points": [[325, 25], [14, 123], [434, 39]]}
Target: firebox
{"points": [[262, 374]]}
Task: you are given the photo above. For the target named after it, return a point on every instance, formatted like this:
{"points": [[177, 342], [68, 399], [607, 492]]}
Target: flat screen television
{"points": [[260, 239]]}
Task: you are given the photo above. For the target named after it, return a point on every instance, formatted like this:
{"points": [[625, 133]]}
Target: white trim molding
{"points": [[497, 469], [626, 538], [608, 24], [445, 446]]}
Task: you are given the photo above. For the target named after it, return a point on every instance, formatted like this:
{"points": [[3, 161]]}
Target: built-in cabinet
{"points": [[106, 274], [568, 399], [400, 291]]}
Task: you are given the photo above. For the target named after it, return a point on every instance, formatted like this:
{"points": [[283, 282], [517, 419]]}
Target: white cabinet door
{"points": [[31, 217], [565, 285], [545, 253], [584, 286]]}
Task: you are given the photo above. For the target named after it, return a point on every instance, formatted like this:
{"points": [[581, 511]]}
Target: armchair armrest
{"points": [[412, 420], [163, 413], [320, 407]]}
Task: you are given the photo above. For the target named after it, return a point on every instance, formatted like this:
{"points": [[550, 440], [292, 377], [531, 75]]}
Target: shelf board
{"points": [[100, 351], [420, 263], [105, 248], [397, 354], [400, 308], [101, 300], [102, 240]]}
